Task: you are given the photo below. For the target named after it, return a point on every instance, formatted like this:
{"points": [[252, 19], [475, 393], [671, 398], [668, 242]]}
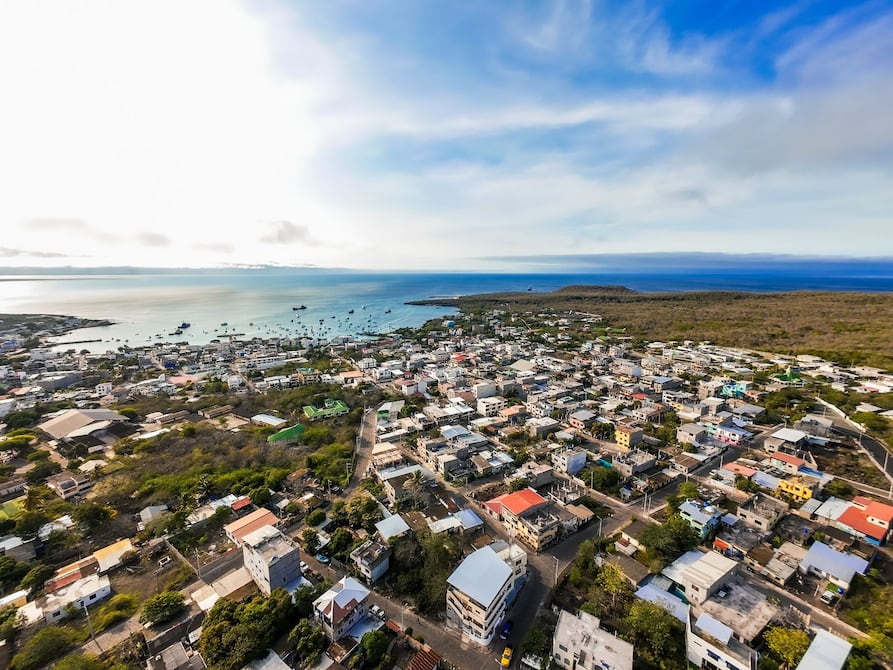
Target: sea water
{"points": [[148, 306]]}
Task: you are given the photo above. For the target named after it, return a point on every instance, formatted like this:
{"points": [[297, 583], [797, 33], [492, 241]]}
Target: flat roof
{"points": [[481, 576]]}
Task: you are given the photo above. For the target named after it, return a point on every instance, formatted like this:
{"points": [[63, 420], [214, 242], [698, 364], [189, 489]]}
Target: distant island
{"points": [[852, 328]]}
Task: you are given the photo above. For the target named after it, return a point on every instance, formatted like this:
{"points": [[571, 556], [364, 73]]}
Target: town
{"points": [[529, 490]]}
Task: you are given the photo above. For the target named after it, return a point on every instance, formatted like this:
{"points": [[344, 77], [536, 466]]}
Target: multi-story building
{"points": [[798, 488], [68, 485], [627, 436], [526, 516], [579, 643], [372, 559], [477, 594], [341, 607], [762, 512], [701, 574], [570, 461], [709, 643], [272, 559], [491, 405], [700, 516]]}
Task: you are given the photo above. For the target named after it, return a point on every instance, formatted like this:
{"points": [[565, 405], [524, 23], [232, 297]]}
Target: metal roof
{"points": [[481, 576], [827, 652]]}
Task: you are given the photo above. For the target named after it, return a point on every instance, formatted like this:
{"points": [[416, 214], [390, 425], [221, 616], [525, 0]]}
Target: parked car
{"points": [[506, 656], [304, 567], [506, 630], [322, 558], [829, 598]]}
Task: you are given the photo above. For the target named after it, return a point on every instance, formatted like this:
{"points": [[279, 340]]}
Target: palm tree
{"points": [[413, 486]]}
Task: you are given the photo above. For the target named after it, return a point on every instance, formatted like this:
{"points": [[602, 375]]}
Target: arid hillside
{"points": [[848, 327]]}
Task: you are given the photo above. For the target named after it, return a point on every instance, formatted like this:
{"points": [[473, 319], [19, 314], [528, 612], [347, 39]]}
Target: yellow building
{"points": [[798, 488], [627, 437]]}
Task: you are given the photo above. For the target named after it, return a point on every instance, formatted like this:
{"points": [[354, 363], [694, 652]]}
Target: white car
{"points": [[304, 567]]}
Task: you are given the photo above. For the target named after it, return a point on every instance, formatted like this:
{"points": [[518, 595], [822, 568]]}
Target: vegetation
{"points": [[163, 607], [374, 644], [308, 640], [867, 607], [235, 633], [850, 328], [120, 607], [788, 644], [668, 541], [420, 566], [47, 644]]}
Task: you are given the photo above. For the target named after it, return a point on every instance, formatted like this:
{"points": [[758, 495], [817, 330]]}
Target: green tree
{"points": [[668, 541], [604, 479], [316, 517], [310, 538], [654, 630], [537, 642], [36, 577], [41, 471], [308, 640], [789, 644], [689, 491], [612, 581], [91, 515], [11, 572], [340, 542], [260, 496], [375, 644], [518, 484], [163, 607]]}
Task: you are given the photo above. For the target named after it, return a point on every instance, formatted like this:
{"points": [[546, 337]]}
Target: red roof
{"points": [[874, 508], [425, 660], [739, 469], [518, 502], [787, 458], [240, 503], [857, 519]]}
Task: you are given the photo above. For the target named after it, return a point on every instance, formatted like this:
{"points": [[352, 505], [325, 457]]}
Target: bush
{"points": [[163, 607], [120, 608], [48, 644], [316, 517]]}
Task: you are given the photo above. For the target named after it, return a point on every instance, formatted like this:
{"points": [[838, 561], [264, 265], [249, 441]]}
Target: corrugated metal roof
{"points": [[481, 576]]}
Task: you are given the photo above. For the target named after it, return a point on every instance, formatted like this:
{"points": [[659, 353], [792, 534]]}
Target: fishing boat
{"points": [[350, 311], [299, 307], [387, 311], [184, 325]]}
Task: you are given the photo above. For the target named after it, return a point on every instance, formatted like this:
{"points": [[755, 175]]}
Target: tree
{"points": [[604, 479], [537, 642], [11, 572], [41, 471], [79, 661], [518, 484], [653, 628], [316, 517], [375, 644], [668, 541], [260, 496], [688, 491], [340, 542], [789, 644], [91, 515], [36, 577], [163, 607], [612, 581], [308, 640]]}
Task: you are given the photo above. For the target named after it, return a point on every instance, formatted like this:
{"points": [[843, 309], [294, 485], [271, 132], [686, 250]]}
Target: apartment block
{"points": [[272, 559], [477, 594]]}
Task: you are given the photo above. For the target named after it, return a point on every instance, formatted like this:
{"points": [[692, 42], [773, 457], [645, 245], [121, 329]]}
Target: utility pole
{"points": [[90, 626]]}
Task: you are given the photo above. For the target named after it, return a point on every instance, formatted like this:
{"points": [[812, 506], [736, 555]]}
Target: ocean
{"points": [[149, 306]]}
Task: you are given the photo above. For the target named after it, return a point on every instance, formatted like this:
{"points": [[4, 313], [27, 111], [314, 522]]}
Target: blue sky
{"points": [[442, 135]]}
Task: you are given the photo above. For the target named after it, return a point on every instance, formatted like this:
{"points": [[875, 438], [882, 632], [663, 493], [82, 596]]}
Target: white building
{"points": [[709, 643], [570, 461], [272, 559], [53, 607], [578, 643], [372, 559], [701, 574], [341, 607], [477, 593], [491, 405]]}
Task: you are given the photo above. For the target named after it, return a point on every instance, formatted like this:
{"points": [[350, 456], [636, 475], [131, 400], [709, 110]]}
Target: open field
{"points": [[8, 510], [847, 327]]}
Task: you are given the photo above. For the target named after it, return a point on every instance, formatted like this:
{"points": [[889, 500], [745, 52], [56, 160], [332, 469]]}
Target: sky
{"points": [[404, 134]]}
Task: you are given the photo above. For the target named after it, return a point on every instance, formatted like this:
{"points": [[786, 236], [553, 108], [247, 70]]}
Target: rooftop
{"points": [[481, 576], [746, 611]]}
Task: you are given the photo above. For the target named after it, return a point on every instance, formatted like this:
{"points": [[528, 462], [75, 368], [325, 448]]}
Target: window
{"points": [[713, 655], [92, 596], [562, 647], [731, 666]]}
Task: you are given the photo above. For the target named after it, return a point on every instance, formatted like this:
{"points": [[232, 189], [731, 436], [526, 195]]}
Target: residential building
{"points": [[690, 433], [798, 488], [826, 651], [238, 529], [836, 566], [633, 462], [491, 405], [582, 419], [79, 594], [702, 517], [526, 516], [701, 574], [626, 436], [570, 461], [272, 559], [372, 559], [867, 519], [709, 643], [477, 593], [341, 607], [579, 643], [69, 485], [762, 511]]}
